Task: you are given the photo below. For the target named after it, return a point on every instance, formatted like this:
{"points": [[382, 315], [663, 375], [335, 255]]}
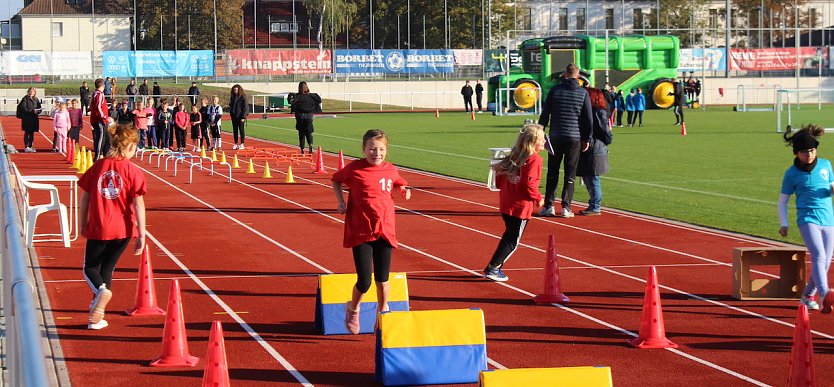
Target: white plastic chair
{"points": [[31, 212]]}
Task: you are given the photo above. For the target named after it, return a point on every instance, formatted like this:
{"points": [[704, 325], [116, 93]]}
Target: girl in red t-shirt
{"points": [[111, 207], [369, 220], [517, 176]]}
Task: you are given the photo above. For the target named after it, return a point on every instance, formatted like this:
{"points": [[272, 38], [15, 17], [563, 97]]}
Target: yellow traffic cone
{"points": [[251, 167], [82, 164], [235, 163], [289, 178], [202, 152], [89, 160], [77, 159], [267, 174], [223, 157], [213, 155], [83, 150]]}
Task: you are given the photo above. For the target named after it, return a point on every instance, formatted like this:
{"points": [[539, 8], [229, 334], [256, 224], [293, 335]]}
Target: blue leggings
{"points": [[820, 243]]}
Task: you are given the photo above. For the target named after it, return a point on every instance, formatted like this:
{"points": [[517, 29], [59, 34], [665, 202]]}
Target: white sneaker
{"points": [[547, 211], [102, 299], [99, 325], [567, 213], [234, 146], [241, 147]]}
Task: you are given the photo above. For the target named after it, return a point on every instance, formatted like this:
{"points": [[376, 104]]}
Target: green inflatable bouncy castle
{"points": [[647, 62]]}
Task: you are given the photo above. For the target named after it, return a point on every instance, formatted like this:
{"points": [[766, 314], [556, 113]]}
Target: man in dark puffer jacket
{"points": [[568, 110]]}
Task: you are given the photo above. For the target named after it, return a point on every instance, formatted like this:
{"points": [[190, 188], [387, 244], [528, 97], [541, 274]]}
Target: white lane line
{"points": [[257, 337], [699, 192]]}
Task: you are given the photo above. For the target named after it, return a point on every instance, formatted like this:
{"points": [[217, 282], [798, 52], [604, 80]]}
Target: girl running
{"points": [[369, 220], [111, 207], [517, 176], [811, 179]]}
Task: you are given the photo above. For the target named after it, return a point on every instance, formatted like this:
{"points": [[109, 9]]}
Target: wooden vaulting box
{"points": [[750, 284]]}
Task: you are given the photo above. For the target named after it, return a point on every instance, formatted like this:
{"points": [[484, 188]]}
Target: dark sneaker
{"points": [[588, 213], [547, 211], [827, 302], [496, 275]]}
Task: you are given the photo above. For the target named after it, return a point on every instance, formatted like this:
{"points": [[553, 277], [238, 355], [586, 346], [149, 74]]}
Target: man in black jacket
{"points": [[193, 93], [568, 111], [680, 100], [479, 94], [143, 89], [466, 92], [84, 92]]}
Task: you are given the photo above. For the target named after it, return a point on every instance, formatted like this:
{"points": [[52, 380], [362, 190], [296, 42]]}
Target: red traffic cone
{"points": [[216, 373], [802, 352], [319, 162], [146, 304], [552, 281], [70, 149], [683, 128], [652, 331], [174, 340], [341, 160], [437, 113], [473, 115]]}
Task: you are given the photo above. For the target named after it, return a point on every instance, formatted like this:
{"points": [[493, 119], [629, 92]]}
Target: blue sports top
{"points": [[813, 193]]}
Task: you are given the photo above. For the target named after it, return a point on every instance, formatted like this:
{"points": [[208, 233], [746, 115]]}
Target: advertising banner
{"points": [[495, 60], [279, 62], [778, 58], [708, 59], [377, 62], [196, 63], [469, 57], [46, 63]]}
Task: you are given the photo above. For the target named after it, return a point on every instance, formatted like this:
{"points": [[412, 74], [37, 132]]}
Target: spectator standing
{"points": [[84, 94], [567, 110], [204, 123], [196, 119], [157, 92], [479, 94], [143, 90], [680, 100], [619, 105], [124, 114], [99, 119], [639, 107], [194, 93], [28, 110], [629, 107], [131, 90], [108, 89], [215, 112], [238, 109], [594, 162], [61, 125], [164, 118], [304, 106], [141, 117], [181, 125], [75, 121], [466, 92]]}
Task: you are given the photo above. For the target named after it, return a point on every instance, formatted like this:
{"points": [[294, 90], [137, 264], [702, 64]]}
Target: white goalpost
{"points": [[795, 107]]}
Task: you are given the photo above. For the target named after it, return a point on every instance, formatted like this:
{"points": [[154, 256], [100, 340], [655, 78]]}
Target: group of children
{"points": [[634, 104], [66, 123]]}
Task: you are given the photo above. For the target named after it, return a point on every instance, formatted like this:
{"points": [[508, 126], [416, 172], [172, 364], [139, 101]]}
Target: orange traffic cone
{"points": [[652, 332], [216, 373], [341, 160], [683, 128], [552, 281], [802, 352], [146, 304], [437, 113], [473, 115], [70, 150], [174, 340], [319, 162]]}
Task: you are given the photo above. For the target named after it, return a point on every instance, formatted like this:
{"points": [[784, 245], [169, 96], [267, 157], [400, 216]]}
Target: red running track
{"points": [[248, 253]]}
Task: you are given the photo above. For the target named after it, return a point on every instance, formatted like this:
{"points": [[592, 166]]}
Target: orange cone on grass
{"points": [[216, 373], [801, 362], [174, 340], [146, 302], [472, 116], [437, 113], [552, 292], [652, 331], [341, 160], [319, 162], [683, 128]]}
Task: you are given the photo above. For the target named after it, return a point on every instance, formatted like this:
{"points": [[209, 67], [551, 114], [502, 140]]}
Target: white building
{"points": [[73, 25]]}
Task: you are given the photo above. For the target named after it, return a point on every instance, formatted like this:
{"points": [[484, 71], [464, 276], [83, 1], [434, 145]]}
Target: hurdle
{"points": [[211, 170]]}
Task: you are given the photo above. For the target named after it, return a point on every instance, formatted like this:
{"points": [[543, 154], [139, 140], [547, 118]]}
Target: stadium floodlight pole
{"points": [[293, 27], [135, 37], [446, 23], [795, 39], [489, 23], [269, 37], [408, 21], [606, 56], [761, 28], [483, 34], [254, 25], [175, 27], [727, 31], [371, 23], [160, 34], [214, 55], [424, 31]]}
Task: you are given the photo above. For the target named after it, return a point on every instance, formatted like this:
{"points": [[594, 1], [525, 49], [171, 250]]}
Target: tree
{"points": [[334, 18], [155, 18]]}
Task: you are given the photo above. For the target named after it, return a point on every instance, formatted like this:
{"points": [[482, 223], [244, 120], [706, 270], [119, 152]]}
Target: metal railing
{"points": [[24, 334]]}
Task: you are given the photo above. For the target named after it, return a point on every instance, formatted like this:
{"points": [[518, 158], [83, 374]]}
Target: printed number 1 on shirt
{"points": [[386, 184]]}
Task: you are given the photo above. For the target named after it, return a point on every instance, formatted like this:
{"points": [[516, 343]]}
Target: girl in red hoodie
{"points": [[182, 122], [517, 176]]}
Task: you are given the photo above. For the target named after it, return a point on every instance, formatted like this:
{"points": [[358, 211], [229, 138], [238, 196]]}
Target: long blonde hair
{"points": [[525, 146], [121, 136]]}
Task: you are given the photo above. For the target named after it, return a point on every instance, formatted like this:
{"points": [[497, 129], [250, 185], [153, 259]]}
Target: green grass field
{"points": [[726, 173]]}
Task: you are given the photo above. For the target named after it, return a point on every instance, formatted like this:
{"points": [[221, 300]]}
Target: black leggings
{"points": [[678, 113], [180, 138], [304, 126], [100, 259], [377, 252], [239, 126], [101, 140], [630, 119], [569, 151], [28, 139], [638, 116], [509, 241]]}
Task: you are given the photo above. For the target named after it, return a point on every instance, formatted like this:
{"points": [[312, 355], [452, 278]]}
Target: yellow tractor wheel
{"points": [[661, 89], [526, 94]]}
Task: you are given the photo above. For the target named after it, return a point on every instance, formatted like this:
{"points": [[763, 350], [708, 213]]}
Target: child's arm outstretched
{"points": [[782, 209], [139, 210], [337, 189]]}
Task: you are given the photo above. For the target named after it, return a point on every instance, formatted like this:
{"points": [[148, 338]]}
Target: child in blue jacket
{"points": [[629, 107], [639, 106]]}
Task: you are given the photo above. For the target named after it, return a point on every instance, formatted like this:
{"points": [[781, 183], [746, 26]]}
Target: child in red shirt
{"points": [[369, 220], [517, 176], [182, 124], [111, 203]]}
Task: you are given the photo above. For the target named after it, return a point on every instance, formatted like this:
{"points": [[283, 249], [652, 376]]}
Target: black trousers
{"points": [[239, 130], [678, 114], [28, 139], [514, 227], [467, 103], [101, 140], [569, 151], [630, 119], [478, 98], [100, 258], [619, 118], [304, 126], [638, 116], [377, 253], [180, 137]]}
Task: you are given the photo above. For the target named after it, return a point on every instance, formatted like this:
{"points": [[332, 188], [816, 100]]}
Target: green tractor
{"points": [[647, 62]]}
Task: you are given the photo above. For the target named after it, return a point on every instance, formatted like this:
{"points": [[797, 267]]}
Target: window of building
{"points": [[609, 19], [638, 19], [713, 18], [580, 19], [563, 19], [57, 29]]}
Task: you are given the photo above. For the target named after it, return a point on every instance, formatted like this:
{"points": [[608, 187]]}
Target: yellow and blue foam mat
{"points": [[335, 290], [430, 347], [546, 377]]}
